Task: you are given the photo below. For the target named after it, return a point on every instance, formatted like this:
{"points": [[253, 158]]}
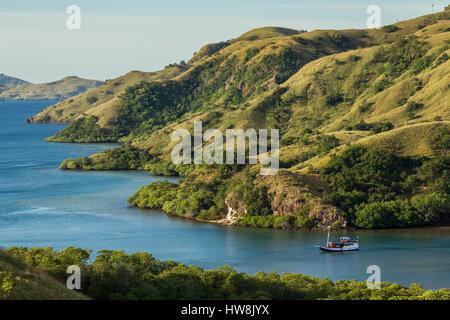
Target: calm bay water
{"points": [[41, 205]]}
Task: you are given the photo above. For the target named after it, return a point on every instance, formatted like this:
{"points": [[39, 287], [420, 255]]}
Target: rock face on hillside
{"points": [[294, 196], [293, 193]]}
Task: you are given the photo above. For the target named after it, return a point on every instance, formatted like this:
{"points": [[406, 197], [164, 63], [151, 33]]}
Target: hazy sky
{"points": [[120, 36]]}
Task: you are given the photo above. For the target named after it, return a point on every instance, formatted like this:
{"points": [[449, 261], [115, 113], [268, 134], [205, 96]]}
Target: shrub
{"points": [[421, 64], [256, 201], [91, 99], [305, 222], [412, 107], [403, 53], [341, 41], [378, 127], [85, 130], [390, 28], [327, 143], [334, 99], [441, 59], [440, 139], [382, 84], [250, 53]]}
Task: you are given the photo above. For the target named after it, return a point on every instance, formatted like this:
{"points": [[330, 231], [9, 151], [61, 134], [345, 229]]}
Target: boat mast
{"points": [[328, 236]]}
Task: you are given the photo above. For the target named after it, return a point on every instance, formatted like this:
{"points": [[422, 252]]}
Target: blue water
{"points": [[41, 205]]}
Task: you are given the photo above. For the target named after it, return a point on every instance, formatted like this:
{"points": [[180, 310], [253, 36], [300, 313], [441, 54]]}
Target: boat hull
{"points": [[325, 249]]}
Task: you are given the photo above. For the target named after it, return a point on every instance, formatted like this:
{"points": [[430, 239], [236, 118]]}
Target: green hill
{"points": [[61, 89], [69, 109], [375, 99], [239, 67]]}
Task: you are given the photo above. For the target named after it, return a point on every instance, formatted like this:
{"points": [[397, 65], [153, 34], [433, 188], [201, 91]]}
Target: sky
{"points": [[120, 36]]}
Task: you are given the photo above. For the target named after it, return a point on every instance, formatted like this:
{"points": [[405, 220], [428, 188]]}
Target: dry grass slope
{"points": [[70, 109]]}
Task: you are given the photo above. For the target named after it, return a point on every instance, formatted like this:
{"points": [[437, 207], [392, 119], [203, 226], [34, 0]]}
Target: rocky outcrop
{"points": [[295, 194], [291, 194]]}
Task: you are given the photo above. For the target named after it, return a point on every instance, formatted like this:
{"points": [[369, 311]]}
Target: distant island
{"points": [[16, 89], [364, 120], [7, 82]]}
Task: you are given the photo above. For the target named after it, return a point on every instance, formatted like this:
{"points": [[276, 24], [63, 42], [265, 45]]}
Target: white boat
{"points": [[344, 244]]}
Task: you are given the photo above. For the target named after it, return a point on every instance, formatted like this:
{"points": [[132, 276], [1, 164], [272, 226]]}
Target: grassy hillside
{"points": [[69, 109], [376, 99], [21, 281], [227, 73], [61, 89]]}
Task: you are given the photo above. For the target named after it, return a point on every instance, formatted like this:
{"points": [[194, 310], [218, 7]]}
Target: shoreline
{"points": [[225, 223]]}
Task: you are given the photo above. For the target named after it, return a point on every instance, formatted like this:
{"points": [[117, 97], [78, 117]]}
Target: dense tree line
{"points": [[124, 158], [117, 275], [149, 106], [85, 130], [201, 194], [379, 189]]}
